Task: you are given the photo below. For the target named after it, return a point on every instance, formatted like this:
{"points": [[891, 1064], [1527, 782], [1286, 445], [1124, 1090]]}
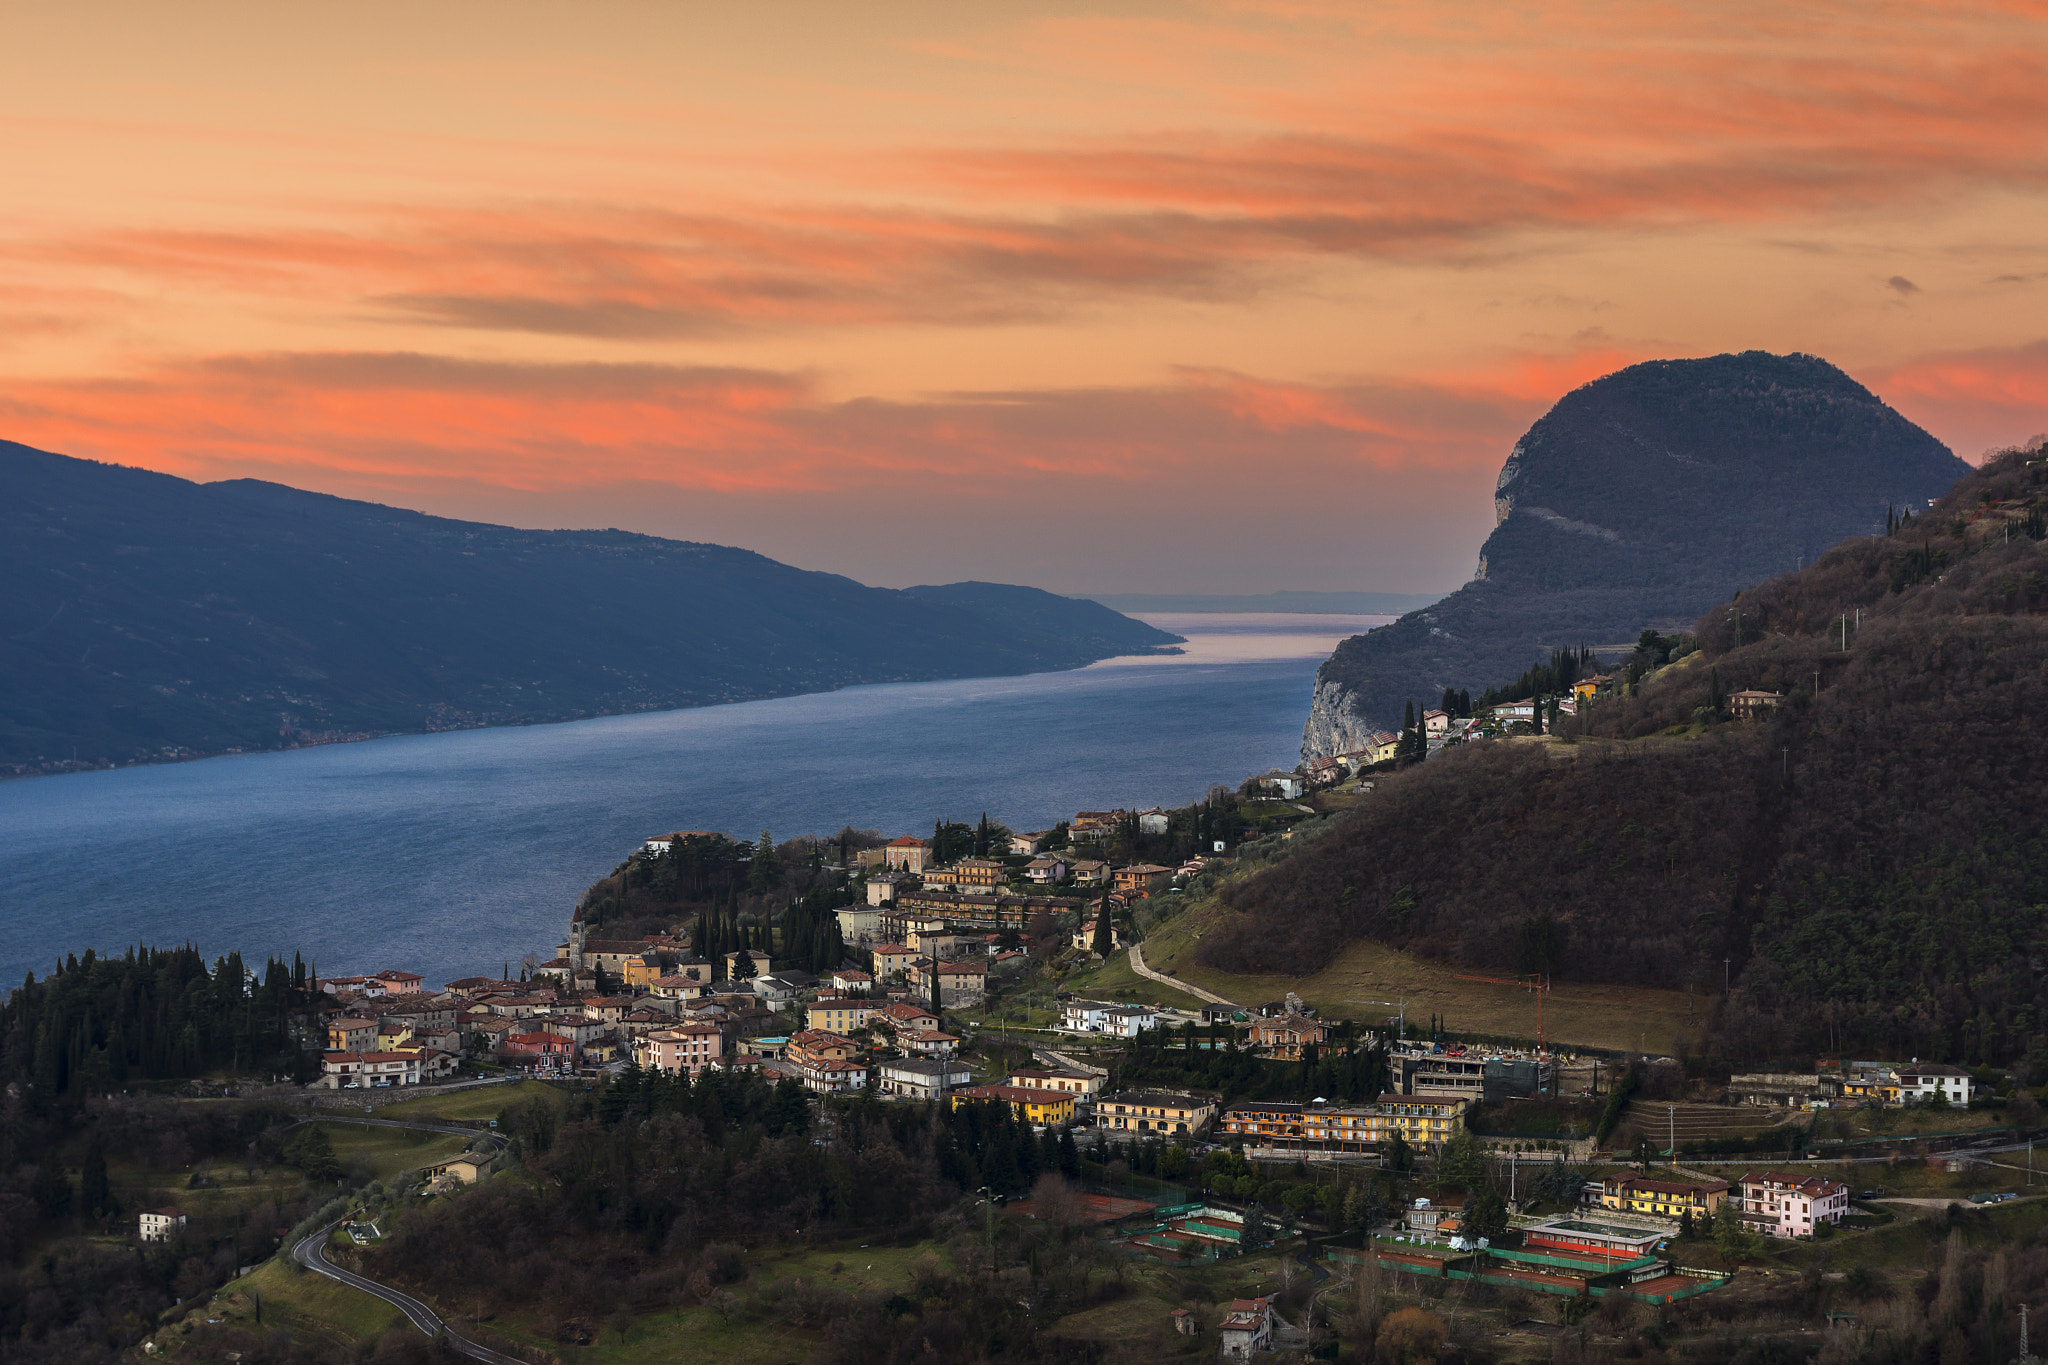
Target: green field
{"points": [[387, 1152], [481, 1102]]}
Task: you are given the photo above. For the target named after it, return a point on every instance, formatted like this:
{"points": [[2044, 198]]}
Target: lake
{"points": [[452, 854]]}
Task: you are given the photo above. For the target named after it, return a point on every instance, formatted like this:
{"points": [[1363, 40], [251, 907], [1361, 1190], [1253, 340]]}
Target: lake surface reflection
{"points": [[452, 854]]}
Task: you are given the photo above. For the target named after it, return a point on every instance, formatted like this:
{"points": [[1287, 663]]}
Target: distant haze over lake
{"points": [[452, 854]]}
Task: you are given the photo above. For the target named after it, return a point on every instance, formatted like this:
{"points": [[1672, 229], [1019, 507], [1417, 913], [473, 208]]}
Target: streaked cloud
{"points": [[1319, 256]]}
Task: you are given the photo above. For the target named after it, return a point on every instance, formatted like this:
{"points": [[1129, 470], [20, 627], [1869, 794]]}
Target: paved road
{"points": [[1138, 966], [420, 1125], [311, 1252]]}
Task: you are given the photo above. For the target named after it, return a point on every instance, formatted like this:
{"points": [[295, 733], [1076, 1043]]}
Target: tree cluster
{"points": [[97, 1024]]}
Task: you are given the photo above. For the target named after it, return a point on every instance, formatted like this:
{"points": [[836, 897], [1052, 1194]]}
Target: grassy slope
{"points": [[484, 1102], [1617, 1017], [388, 1151], [1114, 979], [303, 1303]]}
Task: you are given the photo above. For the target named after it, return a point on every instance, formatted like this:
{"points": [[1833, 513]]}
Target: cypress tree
{"points": [[1104, 943]]}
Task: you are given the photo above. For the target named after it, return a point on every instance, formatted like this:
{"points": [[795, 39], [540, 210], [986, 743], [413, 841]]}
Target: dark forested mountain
{"points": [[147, 617], [1871, 857], [1642, 498]]}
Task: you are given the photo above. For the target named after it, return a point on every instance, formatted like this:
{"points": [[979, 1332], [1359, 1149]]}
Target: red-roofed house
{"points": [[1247, 1328], [906, 853], [538, 1045]]}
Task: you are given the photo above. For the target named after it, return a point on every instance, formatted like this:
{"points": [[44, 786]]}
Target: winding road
{"points": [[311, 1250]]}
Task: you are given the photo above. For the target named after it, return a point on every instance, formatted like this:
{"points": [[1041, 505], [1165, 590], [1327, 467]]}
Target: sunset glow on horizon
{"points": [[1170, 297]]}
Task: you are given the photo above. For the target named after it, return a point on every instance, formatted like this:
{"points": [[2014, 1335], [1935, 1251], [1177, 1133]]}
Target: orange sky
{"points": [[1144, 297]]}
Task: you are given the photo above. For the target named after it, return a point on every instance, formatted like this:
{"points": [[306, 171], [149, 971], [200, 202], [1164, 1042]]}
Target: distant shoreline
{"points": [[1275, 603], [318, 740]]}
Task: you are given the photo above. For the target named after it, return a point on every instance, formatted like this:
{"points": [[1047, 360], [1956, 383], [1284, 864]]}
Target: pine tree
{"points": [[1104, 943]]}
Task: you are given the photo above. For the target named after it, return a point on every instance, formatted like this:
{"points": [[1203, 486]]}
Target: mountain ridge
{"points": [[156, 618], [1641, 498], [1867, 861]]}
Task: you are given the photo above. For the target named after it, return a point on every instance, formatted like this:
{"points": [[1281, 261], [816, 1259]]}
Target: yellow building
{"points": [[1420, 1121], [1663, 1198], [639, 972], [1033, 1106], [838, 1016], [975, 873], [1154, 1111]]}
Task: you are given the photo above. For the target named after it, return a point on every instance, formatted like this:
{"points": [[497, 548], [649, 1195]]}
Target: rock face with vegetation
{"points": [[1867, 862], [149, 617], [1642, 499]]}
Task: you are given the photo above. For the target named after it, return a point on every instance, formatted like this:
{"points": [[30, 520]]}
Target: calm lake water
{"points": [[451, 854]]}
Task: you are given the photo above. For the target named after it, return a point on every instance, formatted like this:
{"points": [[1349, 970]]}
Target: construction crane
{"points": [[1533, 981]]}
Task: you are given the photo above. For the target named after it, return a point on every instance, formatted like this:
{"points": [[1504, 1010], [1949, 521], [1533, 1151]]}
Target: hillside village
{"points": [[952, 989], [740, 1048]]}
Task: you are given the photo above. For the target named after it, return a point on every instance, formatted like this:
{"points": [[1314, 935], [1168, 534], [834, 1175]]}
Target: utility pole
{"points": [[1724, 975], [988, 1199], [1671, 1113]]}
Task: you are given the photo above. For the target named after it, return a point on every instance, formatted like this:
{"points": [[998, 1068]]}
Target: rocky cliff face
{"points": [[1334, 724], [1641, 499]]}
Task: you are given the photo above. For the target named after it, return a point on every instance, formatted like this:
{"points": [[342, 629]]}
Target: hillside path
{"points": [[311, 1252], [1138, 966]]}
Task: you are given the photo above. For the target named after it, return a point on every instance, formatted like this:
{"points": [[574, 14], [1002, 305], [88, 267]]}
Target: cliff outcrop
{"points": [[1642, 499]]}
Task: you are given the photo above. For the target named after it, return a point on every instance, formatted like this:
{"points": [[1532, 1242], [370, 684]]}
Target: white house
{"points": [[1152, 821], [368, 1070], [1287, 786], [1790, 1205], [159, 1225], [860, 923], [1099, 1016], [1922, 1081], [920, 1078], [776, 992]]}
